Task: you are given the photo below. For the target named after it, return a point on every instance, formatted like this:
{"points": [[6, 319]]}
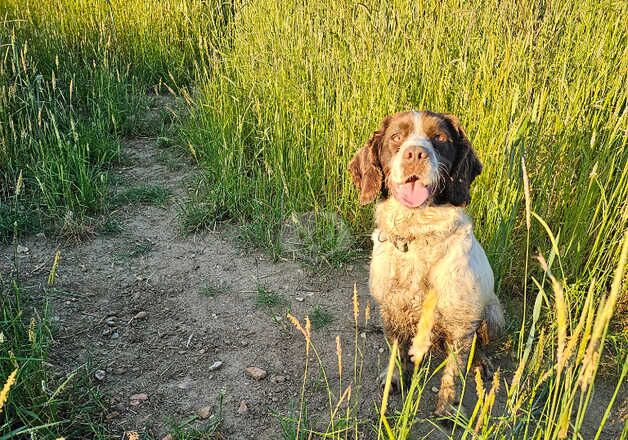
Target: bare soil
{"points": [[197, 295]]}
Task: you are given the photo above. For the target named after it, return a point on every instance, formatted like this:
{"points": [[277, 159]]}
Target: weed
{"points": [[172, 161], [320, 317], [191, 429], [138, 249], [212, 290], [110, 226], [143, 194], [268, 299]]}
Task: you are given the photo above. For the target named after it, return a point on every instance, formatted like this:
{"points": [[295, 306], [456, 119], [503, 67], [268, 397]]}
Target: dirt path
{"points": [[198, 294], [154, 309]]}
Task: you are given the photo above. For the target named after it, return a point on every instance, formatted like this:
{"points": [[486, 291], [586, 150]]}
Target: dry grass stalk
{"points": [[4, 394], [339, 356], [422, 340]]}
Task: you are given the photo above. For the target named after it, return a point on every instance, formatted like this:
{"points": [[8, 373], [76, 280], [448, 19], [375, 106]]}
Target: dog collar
{"points": [[399, 242]]}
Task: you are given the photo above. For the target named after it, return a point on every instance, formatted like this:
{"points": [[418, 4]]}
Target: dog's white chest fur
{"points": [[443, 255]]}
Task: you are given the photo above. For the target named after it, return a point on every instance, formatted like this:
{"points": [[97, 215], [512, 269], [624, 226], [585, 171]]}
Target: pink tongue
{"points": [[412, 194]]}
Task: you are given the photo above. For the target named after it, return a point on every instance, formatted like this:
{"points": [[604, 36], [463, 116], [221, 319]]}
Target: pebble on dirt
{"points": [[216, 365], [204, 412], [255, 373], [141, 315], [99, 374], [243, 408], [136, 399], [278, 379]]}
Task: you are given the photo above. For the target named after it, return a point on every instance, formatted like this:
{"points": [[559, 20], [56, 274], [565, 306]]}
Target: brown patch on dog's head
{"points": [[365, 167], [465, 166]]}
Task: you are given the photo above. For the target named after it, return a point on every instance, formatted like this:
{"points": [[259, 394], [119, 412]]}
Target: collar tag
{"points": [[398, 242]]}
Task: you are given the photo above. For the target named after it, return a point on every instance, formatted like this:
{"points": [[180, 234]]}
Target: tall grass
{"points": [[304, 84], [73, 75]]}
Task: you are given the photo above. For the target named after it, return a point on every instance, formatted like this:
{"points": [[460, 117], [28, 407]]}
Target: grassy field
{"points": [[279, 95]]}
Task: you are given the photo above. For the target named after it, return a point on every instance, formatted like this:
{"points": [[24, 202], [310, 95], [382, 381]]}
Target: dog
{"points": [[420, 165]]}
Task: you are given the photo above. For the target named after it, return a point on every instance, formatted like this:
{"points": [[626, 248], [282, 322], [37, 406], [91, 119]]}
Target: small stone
{"points": [[22, 249], [278, 379], [111, 321], [119, 371], [300, 299], [204, 412], [141, 315], [243, 408], [435, 390], [99, 375], [139, 396], [363, 335], [216, 365], [136, 399], [255, 373], [381, 349], [214, 316], [115, 335]]}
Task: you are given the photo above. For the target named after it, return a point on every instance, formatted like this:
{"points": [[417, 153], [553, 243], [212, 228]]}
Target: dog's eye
{"points": [[395, 137], [440, 138]]}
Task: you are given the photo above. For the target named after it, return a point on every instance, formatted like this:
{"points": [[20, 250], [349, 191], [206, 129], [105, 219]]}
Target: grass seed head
{"points": [[4, 393]]}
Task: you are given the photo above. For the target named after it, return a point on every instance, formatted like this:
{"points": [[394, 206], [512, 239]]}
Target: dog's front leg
{"points": [[455, 363], [401, 376]]}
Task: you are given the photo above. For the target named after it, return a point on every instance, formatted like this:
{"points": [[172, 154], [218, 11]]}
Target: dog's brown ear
{"points": [[365, 167], [465, 167]]}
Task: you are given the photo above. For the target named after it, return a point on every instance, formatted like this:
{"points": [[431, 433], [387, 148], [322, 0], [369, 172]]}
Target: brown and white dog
{"points": [[421, 166]]}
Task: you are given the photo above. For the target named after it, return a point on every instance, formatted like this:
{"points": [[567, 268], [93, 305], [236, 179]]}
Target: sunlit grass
{"points": [[281, 112], [280, 96]]}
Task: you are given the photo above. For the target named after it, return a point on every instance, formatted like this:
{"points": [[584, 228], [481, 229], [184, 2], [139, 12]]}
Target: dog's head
{"points": [[420, 158]]}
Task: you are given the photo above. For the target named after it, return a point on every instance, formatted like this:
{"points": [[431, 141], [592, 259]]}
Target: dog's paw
{"points": [[449, 414], [395, 382], [486, 367]]}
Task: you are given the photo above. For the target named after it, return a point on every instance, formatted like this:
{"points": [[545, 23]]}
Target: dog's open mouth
{"points": [[412, 193]]}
